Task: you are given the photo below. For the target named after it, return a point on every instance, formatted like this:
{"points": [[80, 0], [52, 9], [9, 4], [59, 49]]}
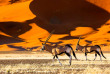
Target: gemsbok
{"points": [[89, 49], [57, 50]]}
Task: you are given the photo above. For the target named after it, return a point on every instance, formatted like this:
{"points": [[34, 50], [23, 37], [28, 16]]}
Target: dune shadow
{"points": [[69, 37], [14, 29], [104, 44], [108, 31], [20, 48], [60, 15], [32, 48], [17, 47], [108, 40], [88, 41], [7, 40], [64, 16], [13, 1]]}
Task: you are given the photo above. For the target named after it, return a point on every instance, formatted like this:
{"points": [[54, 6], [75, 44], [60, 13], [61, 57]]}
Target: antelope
{"points": [[89, 49], [58, 50]]}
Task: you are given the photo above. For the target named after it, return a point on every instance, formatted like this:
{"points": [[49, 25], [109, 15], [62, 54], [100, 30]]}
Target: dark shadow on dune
{"points": [[88, 41], [32, 48], [69, 37], [65, 15], [107, 23], [108, 40], [20, 48], [14, 29], [104, 44], [13, 1], [7, 40], [108, 31], [17, 47]]}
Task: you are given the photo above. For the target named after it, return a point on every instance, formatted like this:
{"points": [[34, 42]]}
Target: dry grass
{"points": [[42, 66]]}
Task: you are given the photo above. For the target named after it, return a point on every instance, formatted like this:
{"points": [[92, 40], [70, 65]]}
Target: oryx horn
{"points": [[49, 37], [78, 40]]}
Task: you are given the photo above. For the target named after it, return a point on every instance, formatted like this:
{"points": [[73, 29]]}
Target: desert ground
{"points": [[28, 62]]}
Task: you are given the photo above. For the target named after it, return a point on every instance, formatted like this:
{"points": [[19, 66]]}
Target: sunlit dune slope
{"points": [[25, 24]]}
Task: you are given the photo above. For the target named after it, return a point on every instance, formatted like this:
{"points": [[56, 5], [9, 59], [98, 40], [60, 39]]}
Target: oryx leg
{"points": [[69, 55], [86, 55], [58, 59], [95, 56], [99, 55], [53, 59]]}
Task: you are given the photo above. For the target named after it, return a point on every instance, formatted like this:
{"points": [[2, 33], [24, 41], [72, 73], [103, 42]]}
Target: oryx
{"points": [[57, 50], [89, 49]]}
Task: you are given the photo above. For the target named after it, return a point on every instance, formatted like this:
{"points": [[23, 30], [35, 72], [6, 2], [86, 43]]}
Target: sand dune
{"points": [[7, 2], [24, 22]]}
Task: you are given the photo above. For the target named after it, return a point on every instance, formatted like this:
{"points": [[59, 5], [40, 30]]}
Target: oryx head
{"points": [[77, 46], [43, 44], [43, 47]]}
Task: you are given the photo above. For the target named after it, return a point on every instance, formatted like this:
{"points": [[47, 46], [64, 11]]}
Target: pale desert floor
{"points": [[27, 62]]}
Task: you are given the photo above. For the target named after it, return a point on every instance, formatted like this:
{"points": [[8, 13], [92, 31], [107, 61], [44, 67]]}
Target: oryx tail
{"points": [[73, 52]]}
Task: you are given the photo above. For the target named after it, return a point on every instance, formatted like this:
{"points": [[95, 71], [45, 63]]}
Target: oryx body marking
{"points": [[55, 51], [89, 49]]}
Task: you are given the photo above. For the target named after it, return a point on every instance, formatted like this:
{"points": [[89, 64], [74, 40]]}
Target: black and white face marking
{"points": [[77, 47], [43, 47]]}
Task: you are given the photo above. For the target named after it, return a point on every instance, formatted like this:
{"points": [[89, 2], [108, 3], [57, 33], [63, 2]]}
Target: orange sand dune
{"points": [[4, 2], [25, 24], [7, 2]]}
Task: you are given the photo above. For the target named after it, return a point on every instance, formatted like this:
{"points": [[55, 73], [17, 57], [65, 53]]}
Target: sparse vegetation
{"points": [[41, 63], [46, 67]]}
